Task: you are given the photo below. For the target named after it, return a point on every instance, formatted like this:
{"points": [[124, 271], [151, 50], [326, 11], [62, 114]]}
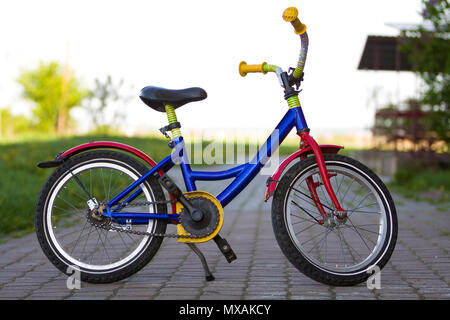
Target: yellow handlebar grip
{"points": [[291, 15], [245, 68]]}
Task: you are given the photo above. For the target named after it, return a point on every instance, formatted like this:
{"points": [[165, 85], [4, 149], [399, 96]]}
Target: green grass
{"points": [[432, 185], [21, 180]]}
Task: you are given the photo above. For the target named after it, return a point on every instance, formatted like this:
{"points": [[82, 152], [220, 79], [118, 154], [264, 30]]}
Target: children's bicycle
{"points": [[105, 212]]}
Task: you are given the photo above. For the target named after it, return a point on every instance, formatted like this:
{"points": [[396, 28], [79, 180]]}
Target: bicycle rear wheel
{"points": [[331, 249], [71, 237]]}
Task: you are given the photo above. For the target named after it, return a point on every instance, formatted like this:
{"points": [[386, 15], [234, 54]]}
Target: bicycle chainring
{"points": [[210, 220]]}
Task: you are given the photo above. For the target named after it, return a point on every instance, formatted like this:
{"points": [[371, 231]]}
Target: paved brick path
{"points": [[419, 268]]}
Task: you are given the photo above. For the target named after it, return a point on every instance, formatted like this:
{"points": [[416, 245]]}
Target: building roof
{"points": [[382, 53]]}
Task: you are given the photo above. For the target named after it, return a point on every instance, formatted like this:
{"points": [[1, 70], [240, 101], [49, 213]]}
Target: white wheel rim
{"points": [[363, 265], [59, 250]]}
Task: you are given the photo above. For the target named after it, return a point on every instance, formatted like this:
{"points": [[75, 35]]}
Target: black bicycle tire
{"points": [[295, 256], [140, 260]]}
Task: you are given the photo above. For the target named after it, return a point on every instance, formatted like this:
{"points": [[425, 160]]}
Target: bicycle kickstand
{"points": [[208, 275]]}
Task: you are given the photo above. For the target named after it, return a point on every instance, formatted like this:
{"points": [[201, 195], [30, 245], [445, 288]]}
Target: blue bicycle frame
{"points": [[243, 174]]}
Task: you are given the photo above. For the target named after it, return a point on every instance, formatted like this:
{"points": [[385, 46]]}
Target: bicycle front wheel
{"points": [[71, 237], [332, 249]]}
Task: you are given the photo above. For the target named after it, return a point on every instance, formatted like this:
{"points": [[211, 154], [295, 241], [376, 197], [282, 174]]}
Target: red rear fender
{"points": [[101, 145]]}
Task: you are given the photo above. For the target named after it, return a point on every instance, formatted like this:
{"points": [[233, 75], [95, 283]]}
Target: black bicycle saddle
{"points": [[156, 97]]}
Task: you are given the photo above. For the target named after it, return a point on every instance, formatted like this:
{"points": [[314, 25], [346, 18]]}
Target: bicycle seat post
{"points": [[174, 126]]}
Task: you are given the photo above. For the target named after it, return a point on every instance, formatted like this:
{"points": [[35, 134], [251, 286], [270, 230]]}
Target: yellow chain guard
{"points": [[180, 229]]}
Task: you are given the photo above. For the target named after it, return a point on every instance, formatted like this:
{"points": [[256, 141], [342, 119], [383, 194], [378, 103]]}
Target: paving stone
{"points": [[418, 269]]}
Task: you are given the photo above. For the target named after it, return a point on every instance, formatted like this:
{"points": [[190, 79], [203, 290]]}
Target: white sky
{"points": [[178, 44]]}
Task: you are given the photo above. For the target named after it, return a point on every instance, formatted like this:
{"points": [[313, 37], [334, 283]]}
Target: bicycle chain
{"points": [[108, 226]]}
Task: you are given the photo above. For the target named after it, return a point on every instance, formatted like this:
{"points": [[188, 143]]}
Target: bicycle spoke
{"points": [[340, 243], [345, 194], [324, 196], [302, 218], [103, 243], [109, 185], [362, 234], [326, 233], [304, 210], [307, 228], [324, 242], [103, 181], [339, 187], [112, 246], [79, 237], [71, 205], [310, 239], [368, 212], [68, 212], [365, 197], [359, 234], [310, 198], [350, 248], [311, 207], [121, 238], [87, 238], [75, 194], [120, 187], [346, 250], [358, 227], [367, 205], [307, 201]]}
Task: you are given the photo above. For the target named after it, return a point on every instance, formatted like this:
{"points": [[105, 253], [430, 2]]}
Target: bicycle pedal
{"points": [[225, 248]]}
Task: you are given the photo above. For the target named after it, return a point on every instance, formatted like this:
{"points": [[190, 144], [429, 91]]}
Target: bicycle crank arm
{"points": [[177, 194]]}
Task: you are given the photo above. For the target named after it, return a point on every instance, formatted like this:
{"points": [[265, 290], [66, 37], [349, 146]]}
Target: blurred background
{"points": [[376, 81]]}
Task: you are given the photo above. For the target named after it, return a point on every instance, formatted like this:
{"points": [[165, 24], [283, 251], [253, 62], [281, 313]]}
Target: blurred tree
{"points": [[429, 50], [104, 94], [55, 91], [13, 124]]}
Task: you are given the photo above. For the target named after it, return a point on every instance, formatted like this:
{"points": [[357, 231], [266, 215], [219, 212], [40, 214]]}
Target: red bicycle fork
{"points": [[308, 141]]}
